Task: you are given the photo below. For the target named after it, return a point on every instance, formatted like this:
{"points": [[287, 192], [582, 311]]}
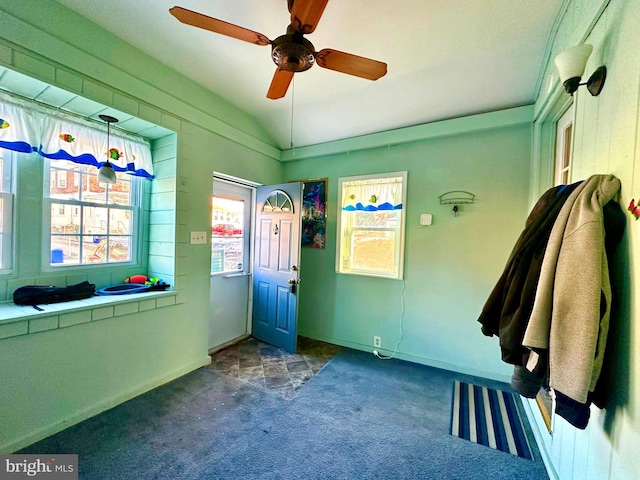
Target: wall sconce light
{"points": [[107, 174], [571, 64]]}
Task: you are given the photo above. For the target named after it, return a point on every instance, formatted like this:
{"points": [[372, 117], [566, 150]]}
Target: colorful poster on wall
{"points": [[314, 208]]}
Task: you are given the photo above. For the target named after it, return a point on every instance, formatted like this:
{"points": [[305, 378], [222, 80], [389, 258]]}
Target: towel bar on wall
{"points": [[455, 198]]}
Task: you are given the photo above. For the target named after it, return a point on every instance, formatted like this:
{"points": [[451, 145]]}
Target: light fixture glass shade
{"points": [[572, 62], [107, 174]]}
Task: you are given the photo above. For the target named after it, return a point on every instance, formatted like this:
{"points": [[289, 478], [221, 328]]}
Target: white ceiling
{"points": [[446, 58]]}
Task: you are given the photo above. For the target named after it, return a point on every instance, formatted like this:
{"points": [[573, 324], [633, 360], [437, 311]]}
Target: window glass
{"points": [[278, 202], [91, 222], [371, 225], [564, 135], [227, 235], [69, 188], [6, 209]]}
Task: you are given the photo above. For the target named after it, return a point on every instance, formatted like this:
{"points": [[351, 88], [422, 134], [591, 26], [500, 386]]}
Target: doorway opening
{"points": [[254, 293], [231, 242]]}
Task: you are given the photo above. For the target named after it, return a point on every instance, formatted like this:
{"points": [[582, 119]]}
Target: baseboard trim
{"points": [[78, 417], [430, 362], [542, 446], [224, 345]]}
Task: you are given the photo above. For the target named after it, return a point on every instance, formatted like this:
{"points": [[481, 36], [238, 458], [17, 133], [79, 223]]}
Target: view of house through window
{"points": [[227, 234], [371, 225], [91, 222]]}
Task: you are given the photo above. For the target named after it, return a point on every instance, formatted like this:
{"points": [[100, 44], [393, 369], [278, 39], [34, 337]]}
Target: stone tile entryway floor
{"points": [[272, 368]]}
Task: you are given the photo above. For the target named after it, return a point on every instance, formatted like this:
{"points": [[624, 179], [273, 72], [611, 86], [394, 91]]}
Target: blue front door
{"points": [[276, 265]]}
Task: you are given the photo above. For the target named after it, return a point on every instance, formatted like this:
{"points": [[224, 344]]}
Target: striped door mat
{"points": [[488, 417]]}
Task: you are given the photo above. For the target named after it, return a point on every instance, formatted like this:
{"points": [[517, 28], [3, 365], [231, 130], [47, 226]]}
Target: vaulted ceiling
{"points": [[446, 58]]}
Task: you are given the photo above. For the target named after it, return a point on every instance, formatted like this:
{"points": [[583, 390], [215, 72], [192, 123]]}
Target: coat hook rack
{"points": [[457, 198]]}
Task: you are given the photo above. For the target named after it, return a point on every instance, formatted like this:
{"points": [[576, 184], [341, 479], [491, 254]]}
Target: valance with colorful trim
{"points": [[372, 195], [31, 128]]}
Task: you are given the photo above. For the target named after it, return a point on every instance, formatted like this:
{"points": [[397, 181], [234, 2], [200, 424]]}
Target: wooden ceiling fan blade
{"points": [[351, 64], [305, 14], [279, 84], [195, 19]]}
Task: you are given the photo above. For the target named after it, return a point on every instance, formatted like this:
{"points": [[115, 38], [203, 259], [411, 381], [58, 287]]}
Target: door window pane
{"points": [[227, 235], [278, 201]]}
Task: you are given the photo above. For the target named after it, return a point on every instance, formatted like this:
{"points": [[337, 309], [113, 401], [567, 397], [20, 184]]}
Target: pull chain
{"points": [[293, 91]]}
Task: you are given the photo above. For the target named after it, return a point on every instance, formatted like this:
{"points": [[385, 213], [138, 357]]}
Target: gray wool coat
{"points": [[570, 316]]}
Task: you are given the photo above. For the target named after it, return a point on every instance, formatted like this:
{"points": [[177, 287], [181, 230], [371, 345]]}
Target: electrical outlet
{"points": [[198, 238], [377, 341]]}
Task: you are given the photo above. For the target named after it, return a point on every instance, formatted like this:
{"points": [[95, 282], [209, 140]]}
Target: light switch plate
{"points": [[426, 219], [198, 238]]}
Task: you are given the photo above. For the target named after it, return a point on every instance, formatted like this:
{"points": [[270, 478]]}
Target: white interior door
{"points": [[230, 296]]}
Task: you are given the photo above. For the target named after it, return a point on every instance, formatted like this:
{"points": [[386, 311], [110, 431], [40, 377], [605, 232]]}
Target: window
{"points": [[6, 209], [277, 202], [564, 131], [371, 225], [100, 224], [227, 235], [62, 179]]}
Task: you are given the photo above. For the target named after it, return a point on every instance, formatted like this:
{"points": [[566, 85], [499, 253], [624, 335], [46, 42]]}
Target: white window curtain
{"points": [[32, 128], [372, 195]]}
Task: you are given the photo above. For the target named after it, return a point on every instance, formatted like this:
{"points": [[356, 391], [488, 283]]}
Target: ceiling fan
{"points": [[290, 52]]}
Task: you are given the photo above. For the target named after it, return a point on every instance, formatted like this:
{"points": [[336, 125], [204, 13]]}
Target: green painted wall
{"points": [[450, 267], [606, 140], [55, 378]]}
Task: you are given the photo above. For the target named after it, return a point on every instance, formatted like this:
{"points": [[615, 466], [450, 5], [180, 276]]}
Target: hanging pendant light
{"points": [[107, 174]]}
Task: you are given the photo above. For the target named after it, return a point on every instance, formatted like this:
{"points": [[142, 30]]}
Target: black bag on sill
{"points": [[43, 294]]}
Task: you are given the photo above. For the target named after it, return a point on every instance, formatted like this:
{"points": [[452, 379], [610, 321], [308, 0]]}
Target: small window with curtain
{"points": [[90, 222], [6, 209], [85, 221], [371, 223]]}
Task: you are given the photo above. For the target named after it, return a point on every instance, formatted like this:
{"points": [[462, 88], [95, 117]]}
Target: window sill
{"points": [[18, 320]]}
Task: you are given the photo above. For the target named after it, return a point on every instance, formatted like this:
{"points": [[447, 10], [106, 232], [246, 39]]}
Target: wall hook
{"points": [[457, 198]]}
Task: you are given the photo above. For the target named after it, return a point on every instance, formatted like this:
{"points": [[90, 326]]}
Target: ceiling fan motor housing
{"points": [[293, 52]]}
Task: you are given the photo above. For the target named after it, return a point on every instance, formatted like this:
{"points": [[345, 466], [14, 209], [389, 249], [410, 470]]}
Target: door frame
{"points": [[543, 154], [543, 143], [252, 186]]}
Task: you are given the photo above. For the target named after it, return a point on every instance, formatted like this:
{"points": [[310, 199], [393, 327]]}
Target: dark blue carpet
{"points": [[359, 418]]}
